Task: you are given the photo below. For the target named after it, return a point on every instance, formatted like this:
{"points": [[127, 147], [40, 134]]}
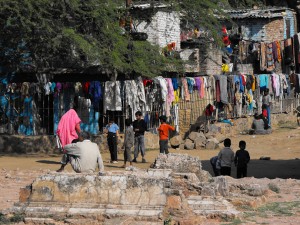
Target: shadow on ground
{"points": [[266, 168], [47, 162]]}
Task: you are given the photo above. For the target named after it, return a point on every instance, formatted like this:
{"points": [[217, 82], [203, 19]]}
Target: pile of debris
{"points": [[175, 191], [196, 140]]}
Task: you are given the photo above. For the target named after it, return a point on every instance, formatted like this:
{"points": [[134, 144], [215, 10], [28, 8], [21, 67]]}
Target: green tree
{"points": [[43, 35]]}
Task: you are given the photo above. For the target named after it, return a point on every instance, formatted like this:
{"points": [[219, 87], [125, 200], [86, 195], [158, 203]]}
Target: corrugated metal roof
{"points": [[273, 12]]}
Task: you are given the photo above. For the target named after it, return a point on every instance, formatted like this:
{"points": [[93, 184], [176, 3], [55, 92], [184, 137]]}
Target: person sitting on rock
{"points": [[83, 156], [259, 126]]}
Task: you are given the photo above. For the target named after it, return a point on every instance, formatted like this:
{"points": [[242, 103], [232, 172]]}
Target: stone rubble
{"points": [[176, 187]]}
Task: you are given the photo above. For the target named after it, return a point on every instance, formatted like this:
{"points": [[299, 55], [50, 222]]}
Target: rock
{"points": [[189, 145], [194, 135], [151, 140], [200, 142], [182, 163], [221, 140], [212, 144], [181, 146], [175, 141]]}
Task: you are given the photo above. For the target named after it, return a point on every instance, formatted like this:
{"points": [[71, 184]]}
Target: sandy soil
{"points": [[283, 146]]}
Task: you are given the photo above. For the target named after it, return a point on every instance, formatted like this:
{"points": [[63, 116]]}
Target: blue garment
{"points": [[241, 84], [288, 90], [190, 82], [175, 83], [112, 128], [52, 88], [96, 93], [236, 79], [263, 80]]}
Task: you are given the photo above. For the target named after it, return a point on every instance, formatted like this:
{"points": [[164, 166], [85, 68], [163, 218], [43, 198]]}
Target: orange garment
{"points": [[164, 131], [278, 51]]}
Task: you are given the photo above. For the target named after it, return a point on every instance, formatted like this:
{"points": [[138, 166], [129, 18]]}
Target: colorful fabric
{"points": [[66, 127]]}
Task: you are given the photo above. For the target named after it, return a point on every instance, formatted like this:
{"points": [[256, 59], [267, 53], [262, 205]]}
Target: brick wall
{"points": [[275, 30], [191, 60], [210, 58], [163, 28]]}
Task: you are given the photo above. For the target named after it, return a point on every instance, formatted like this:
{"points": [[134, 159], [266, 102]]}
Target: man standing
{"points": [[83, 156], [139, 127], [226, 157]]}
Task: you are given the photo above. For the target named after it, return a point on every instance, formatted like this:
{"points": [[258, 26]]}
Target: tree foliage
{"points": [[71, 34], [39, 35]]}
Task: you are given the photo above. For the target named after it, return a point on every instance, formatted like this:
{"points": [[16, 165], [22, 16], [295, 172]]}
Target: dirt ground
{"points": [[283, 146]]}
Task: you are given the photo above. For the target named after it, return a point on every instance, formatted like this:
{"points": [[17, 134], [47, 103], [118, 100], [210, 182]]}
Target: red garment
{"points": [[218, 91], [86, 87], [147, 82], [265, 113], [164, 131]]}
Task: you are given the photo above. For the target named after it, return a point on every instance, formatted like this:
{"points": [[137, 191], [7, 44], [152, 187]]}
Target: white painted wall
{"points": [[163, 29]]}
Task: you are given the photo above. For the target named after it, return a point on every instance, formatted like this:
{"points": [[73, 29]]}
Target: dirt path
{"points": [[283, 146]]}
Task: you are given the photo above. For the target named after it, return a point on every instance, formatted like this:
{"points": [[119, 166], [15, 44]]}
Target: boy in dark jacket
{"points": [[241, 160], [139, 128]]}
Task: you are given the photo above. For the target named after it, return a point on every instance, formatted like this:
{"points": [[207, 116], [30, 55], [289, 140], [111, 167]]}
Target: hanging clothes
{"points": [[186, 93], [83, 110], [170, 97], [175, 83], [202, 88], [269, 57], [296, 53], [95, 93], [141, 98], [131, 97], [262, 56], [198, 85], [112, 96], [222, 88], [288, 51], [263, 82]]}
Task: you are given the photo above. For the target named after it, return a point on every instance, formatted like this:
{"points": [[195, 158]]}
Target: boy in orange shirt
{"points": [[164, 134]]}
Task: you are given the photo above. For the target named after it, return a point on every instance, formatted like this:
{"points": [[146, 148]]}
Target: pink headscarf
{"points": [[66, 127]]}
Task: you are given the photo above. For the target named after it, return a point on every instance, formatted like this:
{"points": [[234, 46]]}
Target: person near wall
{"points": [[241, 159], [139, 127], [163, 130], [112, 131], [266, 101], [226, 157], [84, 155], [128, 142]]}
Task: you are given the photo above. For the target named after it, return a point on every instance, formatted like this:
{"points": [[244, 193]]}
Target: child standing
{"points": [[112, 131], [241, 160], [164, 134], [128, 142]]}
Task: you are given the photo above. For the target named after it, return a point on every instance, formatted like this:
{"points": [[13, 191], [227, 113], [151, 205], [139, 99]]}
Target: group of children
{"points": [[222, 163], [134, 136]]}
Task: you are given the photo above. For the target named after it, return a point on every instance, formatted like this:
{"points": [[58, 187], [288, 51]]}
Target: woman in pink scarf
{"points": [[68, 127]]}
